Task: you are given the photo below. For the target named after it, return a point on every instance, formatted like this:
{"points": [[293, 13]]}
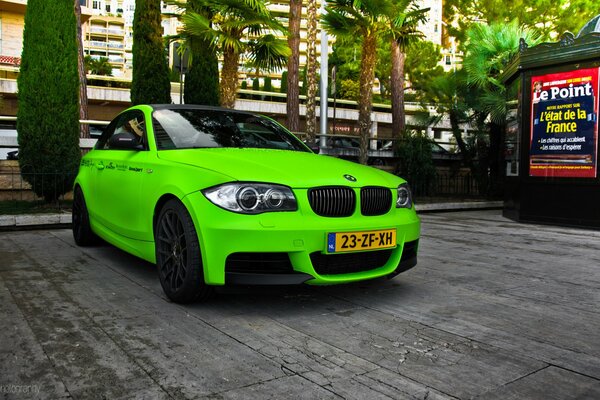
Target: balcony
{"points": [[107, 31]]}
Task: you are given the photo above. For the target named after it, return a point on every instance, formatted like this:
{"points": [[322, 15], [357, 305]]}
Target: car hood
{"points": [[292, 168]]}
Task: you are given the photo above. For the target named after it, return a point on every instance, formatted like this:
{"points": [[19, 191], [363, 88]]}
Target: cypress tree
{"points": [[284, 84], [202, 79], [150, 81], [255, 84], [48, 91], [267, 85]]}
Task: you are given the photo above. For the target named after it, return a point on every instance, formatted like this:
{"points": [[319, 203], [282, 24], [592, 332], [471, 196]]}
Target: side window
{"points": [[130, 124]]}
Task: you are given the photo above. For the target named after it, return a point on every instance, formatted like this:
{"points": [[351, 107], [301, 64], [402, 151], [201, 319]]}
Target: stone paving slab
{"points": [[493, 310]]}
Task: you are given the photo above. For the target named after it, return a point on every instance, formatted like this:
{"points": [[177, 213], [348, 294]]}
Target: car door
{"points": [[120, 159]]}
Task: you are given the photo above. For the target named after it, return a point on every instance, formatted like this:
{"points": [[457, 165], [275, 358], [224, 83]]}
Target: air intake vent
{"points": [[334, 264], [334, 201], [375, 200]]}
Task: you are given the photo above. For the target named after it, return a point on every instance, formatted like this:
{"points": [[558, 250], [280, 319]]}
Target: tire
{"points": [[178, 256], [80, 219]]}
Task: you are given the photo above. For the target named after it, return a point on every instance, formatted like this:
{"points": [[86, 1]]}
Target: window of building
{"points": [[448, 60], [96, 5], [108, 8]]}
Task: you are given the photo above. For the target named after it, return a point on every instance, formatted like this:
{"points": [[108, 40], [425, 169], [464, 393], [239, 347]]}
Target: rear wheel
{"points": [[178, 255], [80, 219]]}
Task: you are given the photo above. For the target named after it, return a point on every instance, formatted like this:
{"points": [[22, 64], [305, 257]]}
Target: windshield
{"points": [[196, 128]]}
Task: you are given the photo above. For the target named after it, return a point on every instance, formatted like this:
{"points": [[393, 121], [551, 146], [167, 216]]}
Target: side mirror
{"points": [[125, 141]]}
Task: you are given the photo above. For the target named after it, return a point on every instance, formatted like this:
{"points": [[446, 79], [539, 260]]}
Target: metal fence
{"points": [[17, 194], [459, 184]]}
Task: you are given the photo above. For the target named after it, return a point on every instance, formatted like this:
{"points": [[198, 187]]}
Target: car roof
{"points": [[156, 107]]}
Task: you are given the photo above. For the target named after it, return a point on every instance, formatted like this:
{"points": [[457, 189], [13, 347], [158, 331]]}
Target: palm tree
{"points": [[98, 66], [369, 20], [489, 49], [311, 70], [293, 67], [232, 22], [202, 78], [403, 32]]}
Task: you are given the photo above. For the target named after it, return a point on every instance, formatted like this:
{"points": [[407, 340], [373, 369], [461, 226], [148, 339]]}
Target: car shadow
{"points": [[255, 298]]}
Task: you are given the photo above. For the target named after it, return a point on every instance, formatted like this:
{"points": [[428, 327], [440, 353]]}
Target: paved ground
{"points": [[494, 310]]}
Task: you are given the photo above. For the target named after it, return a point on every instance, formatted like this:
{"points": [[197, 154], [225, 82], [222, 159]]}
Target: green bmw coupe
{"points": [[215, 196]]}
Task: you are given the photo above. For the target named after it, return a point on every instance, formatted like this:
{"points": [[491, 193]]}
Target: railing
{"points": [[104, 45], [459, 184], [110, 31]]}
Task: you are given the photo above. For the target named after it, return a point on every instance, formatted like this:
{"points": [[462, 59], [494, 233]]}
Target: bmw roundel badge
{"points": [[350, 178]]}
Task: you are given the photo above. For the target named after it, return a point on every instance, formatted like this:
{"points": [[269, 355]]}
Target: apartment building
{"points": [[104, 37]]}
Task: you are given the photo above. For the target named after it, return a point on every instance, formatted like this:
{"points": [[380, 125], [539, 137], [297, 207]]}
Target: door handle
{"points": [[100, 166]]}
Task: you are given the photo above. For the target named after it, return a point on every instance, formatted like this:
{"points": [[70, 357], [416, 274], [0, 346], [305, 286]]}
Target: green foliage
{"points": [[174, 75], [346, 58], [268, 53], [267, 85], [549, 17], [489, 49], [98, 66], [349, 89], [416, 162], [244, 85], [255, 84], [150, 81], [48, 91], [284, 84], [422, 64]]}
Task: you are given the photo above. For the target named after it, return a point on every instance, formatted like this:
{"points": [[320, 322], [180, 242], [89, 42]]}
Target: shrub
{"points": [[416, 162]]}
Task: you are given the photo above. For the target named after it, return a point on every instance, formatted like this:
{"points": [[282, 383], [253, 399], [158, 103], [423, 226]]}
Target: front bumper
{"points": [[299, 234]]}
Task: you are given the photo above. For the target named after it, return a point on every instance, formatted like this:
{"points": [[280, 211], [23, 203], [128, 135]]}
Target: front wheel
{"points": [[178, 255]]}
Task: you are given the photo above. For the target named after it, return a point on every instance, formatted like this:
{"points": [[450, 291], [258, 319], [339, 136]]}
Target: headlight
{"points": [[404, 199], [252, 198]]}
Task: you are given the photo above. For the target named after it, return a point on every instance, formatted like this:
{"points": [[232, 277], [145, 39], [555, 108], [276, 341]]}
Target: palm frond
{"points": [[268, 53]]}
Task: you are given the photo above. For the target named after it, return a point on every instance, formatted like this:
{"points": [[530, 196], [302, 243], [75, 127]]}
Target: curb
{"points": [[63, 220], [459, 206], [30, 221]]}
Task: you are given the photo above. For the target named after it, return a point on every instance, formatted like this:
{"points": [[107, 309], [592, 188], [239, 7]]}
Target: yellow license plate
{"points": [[339, 242]]}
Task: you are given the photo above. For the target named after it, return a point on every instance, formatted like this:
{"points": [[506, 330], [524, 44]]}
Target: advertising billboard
{"points": [[564, 124]]}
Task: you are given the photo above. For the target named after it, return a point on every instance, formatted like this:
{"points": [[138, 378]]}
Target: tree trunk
{"points": [[83, 99], [398, 117], [311, 72], [229, 78], [365, 102], [293, 66]]}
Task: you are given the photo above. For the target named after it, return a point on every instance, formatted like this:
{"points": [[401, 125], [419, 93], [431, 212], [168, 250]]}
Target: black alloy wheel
{"points": [[178, 255], [80, 221]]}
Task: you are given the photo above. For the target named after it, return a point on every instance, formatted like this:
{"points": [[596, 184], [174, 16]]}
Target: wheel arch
{"points": [[158, 207]]}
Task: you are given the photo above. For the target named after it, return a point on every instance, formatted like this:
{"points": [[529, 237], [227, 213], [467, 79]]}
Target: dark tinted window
{"points": [[194, 128]]}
